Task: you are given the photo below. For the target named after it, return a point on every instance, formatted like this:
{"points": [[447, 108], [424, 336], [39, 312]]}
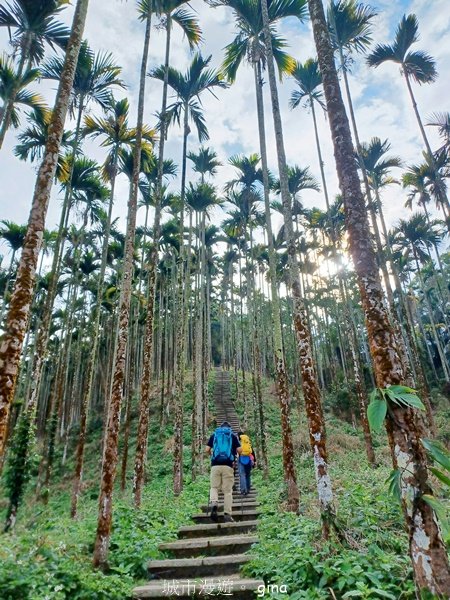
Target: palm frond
{"points": [[420, 66], [189, 25]]}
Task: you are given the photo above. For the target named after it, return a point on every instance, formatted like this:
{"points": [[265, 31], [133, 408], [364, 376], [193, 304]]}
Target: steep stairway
{"points": [[206, 559]]}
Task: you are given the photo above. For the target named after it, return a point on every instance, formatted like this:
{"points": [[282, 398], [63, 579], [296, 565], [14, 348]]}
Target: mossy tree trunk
{"points": [[111, 436], [19, 308], [427, 550]]}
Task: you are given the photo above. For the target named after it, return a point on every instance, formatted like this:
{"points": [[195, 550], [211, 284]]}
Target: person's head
{"points": [[240, 432], [226, 424]]}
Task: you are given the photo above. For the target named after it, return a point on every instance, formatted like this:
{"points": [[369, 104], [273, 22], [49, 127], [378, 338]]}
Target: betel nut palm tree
{"points": [[250, 45], [310, 382], [95, 75], [415, 65], [34, 24], [309, 81], [20, 305], [111, 434], [13, 85], [170, 12], [116, 134], [427, 551], [188, 88]]}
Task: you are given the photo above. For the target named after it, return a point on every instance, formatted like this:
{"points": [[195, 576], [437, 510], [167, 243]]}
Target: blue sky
{"points": [[381, 102]]}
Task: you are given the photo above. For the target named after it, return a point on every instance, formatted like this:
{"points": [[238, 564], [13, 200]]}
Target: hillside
{"points": [[48, 555]]}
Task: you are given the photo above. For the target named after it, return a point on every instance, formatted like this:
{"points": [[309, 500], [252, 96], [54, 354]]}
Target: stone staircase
{"points": [[207, 557]]}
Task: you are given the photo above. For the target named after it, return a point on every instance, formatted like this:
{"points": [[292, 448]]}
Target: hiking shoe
{"points": [[228, 519], [213, 515]]}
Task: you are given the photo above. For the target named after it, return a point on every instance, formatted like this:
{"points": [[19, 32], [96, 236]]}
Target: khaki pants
{"points": [[222, 478]]}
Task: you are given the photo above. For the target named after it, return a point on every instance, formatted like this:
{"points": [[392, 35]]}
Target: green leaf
{"points": [[384, 594], [441, 476], [401, 395], [394, 481], [376, 413], [440, 454], [440, 510], [373, 395], [402, 389]]}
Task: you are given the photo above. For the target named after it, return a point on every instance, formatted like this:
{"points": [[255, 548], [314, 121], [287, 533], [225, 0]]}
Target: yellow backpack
{"points": [[246, 446]]}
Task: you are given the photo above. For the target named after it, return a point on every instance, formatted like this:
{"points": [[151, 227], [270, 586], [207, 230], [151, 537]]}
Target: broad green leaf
{"points": [[376, 413], [412, 400], [384, 594], [401, 389], [445, 480], [373, 395], [404, 398], [438, 453], [440, 511], [394, 481]]}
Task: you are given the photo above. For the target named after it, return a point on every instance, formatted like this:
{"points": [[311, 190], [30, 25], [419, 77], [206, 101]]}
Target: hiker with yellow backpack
{"points": [[246, 461]]}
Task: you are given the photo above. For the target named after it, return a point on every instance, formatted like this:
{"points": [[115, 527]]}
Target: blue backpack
{"points": [[223, 444]]}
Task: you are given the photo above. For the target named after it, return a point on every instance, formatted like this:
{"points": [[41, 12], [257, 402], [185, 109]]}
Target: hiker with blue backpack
{"points": [[223, 446], [246, 462]]}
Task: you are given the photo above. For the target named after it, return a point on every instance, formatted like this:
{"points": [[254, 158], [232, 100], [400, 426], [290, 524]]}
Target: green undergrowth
{"points": [[48, 555], [374, 563]]}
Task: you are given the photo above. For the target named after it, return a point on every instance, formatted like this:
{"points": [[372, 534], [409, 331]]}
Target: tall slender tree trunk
{"points": [[43, 331], [95, 332], [446, 204], [401, 348], [290, 476], [427, 550], [19, 308], [111, 437], [142, 434], [178, 390], [311, 391], [8, 281]]}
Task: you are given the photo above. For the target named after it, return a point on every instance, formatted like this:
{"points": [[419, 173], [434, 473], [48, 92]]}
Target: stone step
{"points": [[238, 506], [210, 546], [238, 515], [236, 491], [197, 567], [216, 529], [237, 497], [233, 586]]}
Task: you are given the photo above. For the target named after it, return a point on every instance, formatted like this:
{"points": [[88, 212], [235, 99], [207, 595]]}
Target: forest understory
{"points": [[48, 554]]}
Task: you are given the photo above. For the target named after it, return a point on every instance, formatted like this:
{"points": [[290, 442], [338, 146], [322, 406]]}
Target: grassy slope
{"points": [[48, 555], [375, 564]]}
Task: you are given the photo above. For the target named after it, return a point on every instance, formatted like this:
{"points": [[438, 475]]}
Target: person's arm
{"points": [[209, 446]]}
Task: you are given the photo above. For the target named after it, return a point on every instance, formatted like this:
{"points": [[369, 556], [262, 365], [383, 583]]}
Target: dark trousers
{"points": [[244, 477]]}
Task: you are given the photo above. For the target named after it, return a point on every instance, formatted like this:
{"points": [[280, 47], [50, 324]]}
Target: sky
{"points": [[380, 99]]}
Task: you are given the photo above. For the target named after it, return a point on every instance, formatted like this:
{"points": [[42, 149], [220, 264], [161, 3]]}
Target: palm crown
{"points": [[249, 41], [376, 163], [33, 138], [205, 161], [350, 24], [415, 63], [35, 24], [95, 75], [188, 88], [12, 84], [115, 131], [308, 79]]}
